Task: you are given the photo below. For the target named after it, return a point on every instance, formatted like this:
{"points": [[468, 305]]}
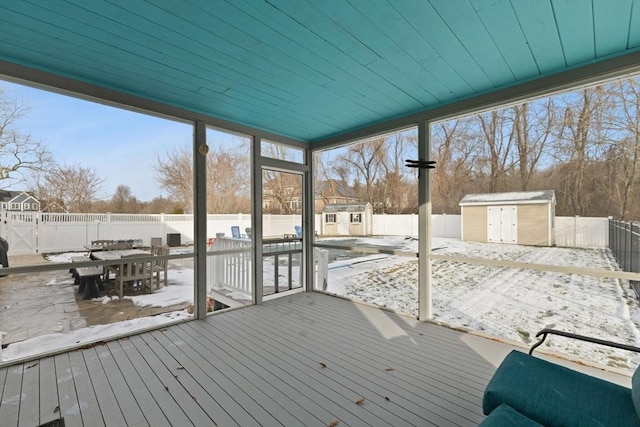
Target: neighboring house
{"points": [[18, 201], [286, 191], [351, 219], [332, 192], [53, 206], [523, 218], [282, 195]]}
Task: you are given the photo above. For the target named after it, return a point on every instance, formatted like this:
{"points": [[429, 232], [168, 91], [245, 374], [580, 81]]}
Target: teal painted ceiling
{"points": [[310, 69]]}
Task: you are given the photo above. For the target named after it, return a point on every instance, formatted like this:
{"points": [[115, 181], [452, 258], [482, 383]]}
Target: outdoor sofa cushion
{"points": [[553, 395], [506, 416]]}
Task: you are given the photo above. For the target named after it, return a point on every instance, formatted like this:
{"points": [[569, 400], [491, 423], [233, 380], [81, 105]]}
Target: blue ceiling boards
{"points": [[310, 69]]}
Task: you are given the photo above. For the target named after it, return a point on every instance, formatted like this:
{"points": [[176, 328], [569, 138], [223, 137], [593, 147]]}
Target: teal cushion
{"points": [[635, 390], [506, 416], [553, 395]]}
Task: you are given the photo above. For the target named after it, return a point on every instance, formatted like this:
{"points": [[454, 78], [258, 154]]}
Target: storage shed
{"points": [[348, 219], [523, 218]]}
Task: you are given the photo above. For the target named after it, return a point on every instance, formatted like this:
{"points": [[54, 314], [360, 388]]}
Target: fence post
{"points": [[322, 268], [628, 238], [635, 243]]}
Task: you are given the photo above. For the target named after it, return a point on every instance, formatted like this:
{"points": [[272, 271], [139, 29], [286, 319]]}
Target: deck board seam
{"points": [[346, 374]]}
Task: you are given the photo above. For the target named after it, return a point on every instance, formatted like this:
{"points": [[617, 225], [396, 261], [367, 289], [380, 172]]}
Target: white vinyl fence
{"points": [[582, 232], [31, 233]]}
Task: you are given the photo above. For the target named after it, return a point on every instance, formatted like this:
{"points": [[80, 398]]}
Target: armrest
{"points": [[546, 332]]}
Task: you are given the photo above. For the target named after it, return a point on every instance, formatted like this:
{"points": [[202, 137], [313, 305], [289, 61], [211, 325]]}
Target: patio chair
{"points": [[235, 232], [248, 231], [118, 246], [101, 243], [160, 266], [298, 231], [135, 271]]}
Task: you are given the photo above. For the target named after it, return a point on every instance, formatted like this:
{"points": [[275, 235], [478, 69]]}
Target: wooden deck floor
{"points": [[303, 360]]}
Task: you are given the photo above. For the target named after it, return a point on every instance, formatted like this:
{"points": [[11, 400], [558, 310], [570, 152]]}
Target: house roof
{"points": [[345, 207], [334, 188], [523, 197], [308, 69], [15, 196]]}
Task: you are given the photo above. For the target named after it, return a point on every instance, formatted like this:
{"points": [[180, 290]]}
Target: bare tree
{"points": [[74, 186], [397, 189], [123, 201], [580, 140], [19, 153], [174, 171], [454, 149], [624, 154], [533, 126], [282, 192], [228, 183], [499, 140], [365, 161]]}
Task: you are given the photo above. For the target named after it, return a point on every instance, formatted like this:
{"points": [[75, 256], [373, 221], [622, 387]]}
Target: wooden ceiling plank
{"points": [[196, 74], [611, 25], [539, 27], [465, 23], [575, 26], [501, 23], [310, 49], [422, 85], [413, 56], [633, 39], [428, 25]]}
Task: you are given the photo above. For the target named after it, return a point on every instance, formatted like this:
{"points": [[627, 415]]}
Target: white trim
{"points": [[507, 202]]}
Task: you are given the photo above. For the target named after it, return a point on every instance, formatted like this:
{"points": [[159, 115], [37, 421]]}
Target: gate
{"points": [[20, 229]]}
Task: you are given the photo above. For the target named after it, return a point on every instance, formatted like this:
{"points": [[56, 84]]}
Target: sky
{"points": [[120, 145]]}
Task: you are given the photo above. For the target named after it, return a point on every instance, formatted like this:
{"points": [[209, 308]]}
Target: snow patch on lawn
{"points": [[508, 303]]}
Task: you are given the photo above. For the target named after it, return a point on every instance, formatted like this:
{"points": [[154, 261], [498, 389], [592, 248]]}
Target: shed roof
{"points": [[522, 197], [346, 207]]}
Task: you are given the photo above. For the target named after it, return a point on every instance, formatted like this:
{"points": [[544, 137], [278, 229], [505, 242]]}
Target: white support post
{"points": [[425, 301], [200, 219]]}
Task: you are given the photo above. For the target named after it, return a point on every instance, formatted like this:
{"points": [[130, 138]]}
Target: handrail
{"points": [[547, 331]]}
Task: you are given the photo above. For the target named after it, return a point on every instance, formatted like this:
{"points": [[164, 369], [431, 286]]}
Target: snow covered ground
{"points": [[508, 303], [180, 292]]}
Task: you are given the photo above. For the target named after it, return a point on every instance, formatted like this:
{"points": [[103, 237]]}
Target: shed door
{"points": [[502, 224], [343, 223]]}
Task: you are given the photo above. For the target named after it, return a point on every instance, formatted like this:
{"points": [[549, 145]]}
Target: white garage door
{"points": [[502, 224]]}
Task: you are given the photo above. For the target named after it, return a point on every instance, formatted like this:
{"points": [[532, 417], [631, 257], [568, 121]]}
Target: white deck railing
{"points": [[230, 265]]}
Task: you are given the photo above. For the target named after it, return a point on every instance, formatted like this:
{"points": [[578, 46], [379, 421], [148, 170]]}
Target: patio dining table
{"points": [[115, 255]]}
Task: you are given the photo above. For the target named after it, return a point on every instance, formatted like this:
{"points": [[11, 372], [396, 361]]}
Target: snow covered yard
{"points": [[504, 302], [510, 303]]}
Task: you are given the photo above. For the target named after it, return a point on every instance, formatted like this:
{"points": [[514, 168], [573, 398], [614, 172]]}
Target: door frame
{"points": [[261, 163]]}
